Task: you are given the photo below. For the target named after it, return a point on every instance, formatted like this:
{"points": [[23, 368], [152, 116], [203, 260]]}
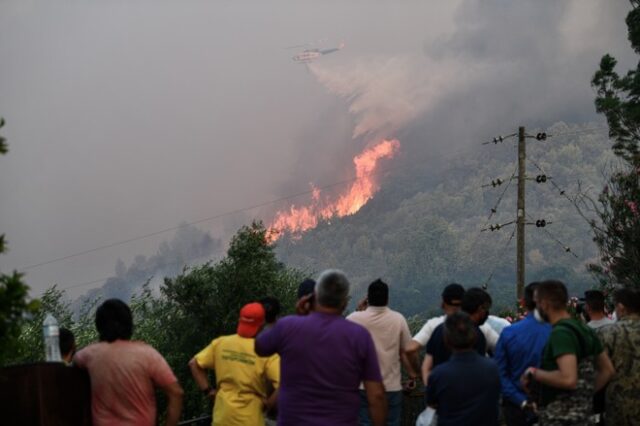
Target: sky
{"points": [[126, 118]]}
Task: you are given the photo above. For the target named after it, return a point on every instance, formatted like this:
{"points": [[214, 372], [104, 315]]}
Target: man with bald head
{"points": [[324, 358]]}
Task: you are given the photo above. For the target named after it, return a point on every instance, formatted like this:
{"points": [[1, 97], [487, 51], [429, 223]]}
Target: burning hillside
{"points": [[298, 219]]}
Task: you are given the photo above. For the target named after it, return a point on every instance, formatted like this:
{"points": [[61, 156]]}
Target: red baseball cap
{"points": [[251, 319]]}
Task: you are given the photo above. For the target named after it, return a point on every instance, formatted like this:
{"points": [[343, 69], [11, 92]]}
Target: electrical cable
{"points": [[231, 213], [495, 266], [302, 193], [555, 185]]}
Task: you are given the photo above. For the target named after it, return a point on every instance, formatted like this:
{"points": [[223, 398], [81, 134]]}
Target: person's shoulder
{"points": [[487, 362], [571, 325], [354, 330], [352, 325], [559, 330], [441, 372], [90, 350], [287, 321], [515, 328], [224, 339], [396, 315], [565, 330], [139, 346], [486, 329], [435, 321], [437, 333], [608, 331], [356, 316], [96, 346]]}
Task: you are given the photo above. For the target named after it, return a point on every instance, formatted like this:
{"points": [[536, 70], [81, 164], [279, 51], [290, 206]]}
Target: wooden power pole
{"points": [[520, 223]]}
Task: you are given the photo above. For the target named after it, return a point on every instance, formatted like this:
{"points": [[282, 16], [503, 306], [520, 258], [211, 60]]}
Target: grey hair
{"points": [[332, 289]]}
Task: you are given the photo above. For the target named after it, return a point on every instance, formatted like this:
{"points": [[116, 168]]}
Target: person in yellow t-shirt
{"points": [[240, 396]]}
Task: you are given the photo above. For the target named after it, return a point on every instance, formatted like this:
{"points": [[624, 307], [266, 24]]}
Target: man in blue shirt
{"points": [[520, 346], [464, 390]]}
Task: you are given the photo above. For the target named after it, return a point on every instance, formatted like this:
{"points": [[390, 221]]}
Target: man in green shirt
{"points": [[622, 342], [573, 361]]}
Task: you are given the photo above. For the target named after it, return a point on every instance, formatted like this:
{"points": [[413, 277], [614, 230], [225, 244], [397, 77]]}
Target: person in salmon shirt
{"points": [[124, 373]]}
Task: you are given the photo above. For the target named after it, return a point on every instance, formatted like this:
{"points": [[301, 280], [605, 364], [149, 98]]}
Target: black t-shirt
{"points": [[441, 352]]}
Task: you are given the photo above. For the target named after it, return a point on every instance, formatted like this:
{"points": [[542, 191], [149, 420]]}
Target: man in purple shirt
{"points": [[323, 360]]}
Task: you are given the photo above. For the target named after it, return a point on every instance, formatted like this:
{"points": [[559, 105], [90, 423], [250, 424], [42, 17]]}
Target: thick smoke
{"points": [[504, 64], [188, 246], [119, 133]]}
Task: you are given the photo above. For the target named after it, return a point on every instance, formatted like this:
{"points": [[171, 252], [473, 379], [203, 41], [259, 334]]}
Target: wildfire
{"points": [[299, 219]]}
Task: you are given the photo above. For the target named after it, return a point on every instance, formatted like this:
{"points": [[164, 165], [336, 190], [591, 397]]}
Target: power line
{"points": [[173, 228], [576, 132], [499, 139], [86, 283], [493, 211], [233, 212], [83, 284], [502, 252], [521, 168], [567, 249], [561, 191]]}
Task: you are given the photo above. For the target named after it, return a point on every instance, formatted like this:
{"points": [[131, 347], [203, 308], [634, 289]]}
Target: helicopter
{"points": [[310, 55]]}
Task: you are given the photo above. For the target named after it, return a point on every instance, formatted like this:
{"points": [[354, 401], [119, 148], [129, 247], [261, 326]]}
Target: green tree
{"points": [[203, 303], [617, 232], [14, 297]]}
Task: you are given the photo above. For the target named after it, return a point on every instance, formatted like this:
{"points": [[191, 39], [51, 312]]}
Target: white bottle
{"points": [[51, 339]]}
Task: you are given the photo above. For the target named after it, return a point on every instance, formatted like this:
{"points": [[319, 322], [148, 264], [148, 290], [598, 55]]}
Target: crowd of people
{"points": [[318, 367]]}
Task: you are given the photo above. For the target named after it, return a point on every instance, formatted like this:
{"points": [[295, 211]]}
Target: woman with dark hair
{"points": [[125, 373]]}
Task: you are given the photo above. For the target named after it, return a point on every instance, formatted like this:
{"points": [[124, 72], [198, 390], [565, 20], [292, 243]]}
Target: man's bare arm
{"points": [[377, 402], [427, 366], [605, 370], [174, 395], [565, 377], [410, 363], [413, 347], [200, 376]]}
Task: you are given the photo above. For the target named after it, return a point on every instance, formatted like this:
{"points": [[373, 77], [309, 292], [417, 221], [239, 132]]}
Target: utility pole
{"points": [[520, 223]]}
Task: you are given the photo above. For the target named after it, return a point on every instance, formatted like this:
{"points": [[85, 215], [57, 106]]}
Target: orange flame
{"points": [[299, 219]]}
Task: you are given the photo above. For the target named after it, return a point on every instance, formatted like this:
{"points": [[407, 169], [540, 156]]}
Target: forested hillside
{"points": [[422, 230]]}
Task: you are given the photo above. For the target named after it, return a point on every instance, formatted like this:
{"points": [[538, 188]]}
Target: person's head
{"points": [[551, 298], [594, 303], [271, 307], [452, 298], [114, 321], [378, 293], [332, 290], [460, 332], [251, 320], [306, 287], [477, 303], [627, 302], [529, 300], [67, 343]]}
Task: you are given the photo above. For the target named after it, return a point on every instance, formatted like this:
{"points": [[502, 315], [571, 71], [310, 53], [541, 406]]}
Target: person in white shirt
{"points": [[497, 323], [391, 336], [594, 308], [451, 299]]}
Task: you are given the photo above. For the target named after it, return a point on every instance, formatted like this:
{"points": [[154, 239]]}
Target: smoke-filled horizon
{"points": [[128, 118]]}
